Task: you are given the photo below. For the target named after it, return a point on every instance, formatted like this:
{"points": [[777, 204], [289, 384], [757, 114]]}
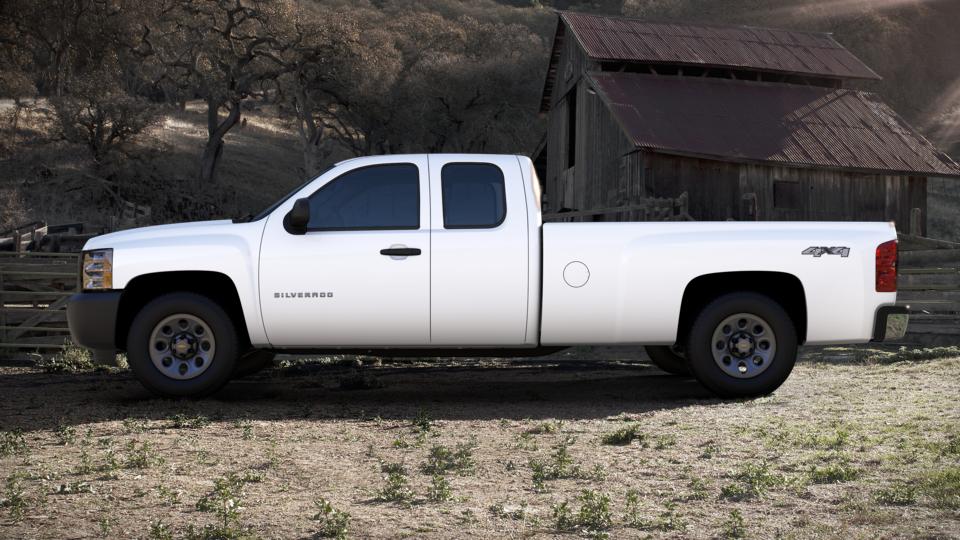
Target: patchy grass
{"points": [[486, 448]]}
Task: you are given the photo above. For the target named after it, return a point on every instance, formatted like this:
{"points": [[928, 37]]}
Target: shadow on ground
{"points": [[443, 390]]}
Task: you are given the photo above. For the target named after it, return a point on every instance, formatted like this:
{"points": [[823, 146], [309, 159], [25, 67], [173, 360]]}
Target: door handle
{"points": [[400, 252]]}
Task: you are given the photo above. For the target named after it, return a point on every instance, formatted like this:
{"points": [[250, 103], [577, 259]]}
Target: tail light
{"points": [[887, 267]]}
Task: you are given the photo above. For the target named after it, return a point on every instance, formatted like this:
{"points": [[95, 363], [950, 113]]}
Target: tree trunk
{"points": [[315, 149], [216, 131]]}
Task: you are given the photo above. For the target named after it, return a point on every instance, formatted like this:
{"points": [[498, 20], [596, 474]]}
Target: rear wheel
{"points": [[742, 345], [668, 358], [182, 345]]}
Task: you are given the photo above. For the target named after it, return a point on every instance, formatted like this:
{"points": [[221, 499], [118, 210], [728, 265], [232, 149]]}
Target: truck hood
{"points": [[156, 232]]}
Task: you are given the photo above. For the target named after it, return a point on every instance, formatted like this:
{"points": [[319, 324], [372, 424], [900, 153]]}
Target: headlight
{"points": [[96, 270]]}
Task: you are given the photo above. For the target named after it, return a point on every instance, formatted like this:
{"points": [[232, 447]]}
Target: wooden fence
{"points": [[929, 282], [34, 288]]}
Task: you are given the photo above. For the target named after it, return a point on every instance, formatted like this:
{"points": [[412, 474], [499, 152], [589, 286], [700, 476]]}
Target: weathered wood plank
{"points": [[37, 254], [942, 281], [932, 306], [20, 316], [934, 328], [37, 328], [929, 257], [40, 340], [32, 345], [908, 296]]}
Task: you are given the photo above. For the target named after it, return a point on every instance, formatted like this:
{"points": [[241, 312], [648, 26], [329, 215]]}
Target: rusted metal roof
{"points": [[743, 47], [785, 124]]}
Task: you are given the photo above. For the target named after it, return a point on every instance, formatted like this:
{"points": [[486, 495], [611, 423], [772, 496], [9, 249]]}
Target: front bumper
{"points": [[890, 323], [92, 318]]}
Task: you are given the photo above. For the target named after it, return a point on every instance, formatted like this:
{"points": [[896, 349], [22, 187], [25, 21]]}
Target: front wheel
{"points": [[742, 345], [182, 345]]}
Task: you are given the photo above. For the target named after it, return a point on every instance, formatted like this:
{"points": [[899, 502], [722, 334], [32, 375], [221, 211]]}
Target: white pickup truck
{"points": [[446, 255]]}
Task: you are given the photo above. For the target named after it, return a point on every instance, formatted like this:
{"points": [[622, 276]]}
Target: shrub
{"points": [[624, 436], [71, 359]]}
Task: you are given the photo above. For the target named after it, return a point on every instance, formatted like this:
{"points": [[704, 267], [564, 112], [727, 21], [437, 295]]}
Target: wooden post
{"points": [[916, 222]]}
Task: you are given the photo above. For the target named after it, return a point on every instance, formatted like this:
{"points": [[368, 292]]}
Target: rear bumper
{"points": [[92, 318], [890, 323]]}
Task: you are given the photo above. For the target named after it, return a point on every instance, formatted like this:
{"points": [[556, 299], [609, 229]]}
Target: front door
{"points": [[360, 276]]}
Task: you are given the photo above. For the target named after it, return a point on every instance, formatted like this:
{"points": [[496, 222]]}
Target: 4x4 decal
{"points": [[820, 251]]}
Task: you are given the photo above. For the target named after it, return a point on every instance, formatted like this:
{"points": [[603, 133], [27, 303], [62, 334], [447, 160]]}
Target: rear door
{"points": [[479, 246]]}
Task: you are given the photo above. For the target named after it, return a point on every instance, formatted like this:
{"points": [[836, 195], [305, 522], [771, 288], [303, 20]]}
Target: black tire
{"points": [[222, 364], [700, 345], [254, 361], [665, 358]]}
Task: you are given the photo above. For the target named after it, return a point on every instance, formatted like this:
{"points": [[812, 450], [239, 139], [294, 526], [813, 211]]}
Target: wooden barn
{"points": [[750, 123]]}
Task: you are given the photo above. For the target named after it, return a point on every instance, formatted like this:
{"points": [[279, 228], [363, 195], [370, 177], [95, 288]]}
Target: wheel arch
{"points": [[784, 288], [214, 285]]}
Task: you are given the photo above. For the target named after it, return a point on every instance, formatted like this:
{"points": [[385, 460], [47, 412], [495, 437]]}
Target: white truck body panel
{"points": [[221, 246], [638, 273], [482, 288]]}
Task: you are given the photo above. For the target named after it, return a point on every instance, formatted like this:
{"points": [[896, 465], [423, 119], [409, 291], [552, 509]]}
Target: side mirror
{"points": [[296, 220]]}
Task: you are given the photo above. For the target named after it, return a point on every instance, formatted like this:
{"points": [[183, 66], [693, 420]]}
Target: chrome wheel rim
{"points": [[744, 345], [182, 346]]}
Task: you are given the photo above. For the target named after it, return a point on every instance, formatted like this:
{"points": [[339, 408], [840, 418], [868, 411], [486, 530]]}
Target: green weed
{"points": [[141, 456], [593, 518], [14, 498], [734, 527], [66, 434], [396, 486], [12, 443], [182, 421], [624, 436], [442, 459], [332, 523], [753, 481], [439, 490], [897, 495]]}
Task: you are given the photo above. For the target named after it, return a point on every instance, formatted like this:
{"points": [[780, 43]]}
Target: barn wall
{"points": [[572, 55], [716, 190], [598, 179]]}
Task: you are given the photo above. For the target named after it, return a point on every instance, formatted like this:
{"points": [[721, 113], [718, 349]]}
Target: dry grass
{"points": [[847, 448]]}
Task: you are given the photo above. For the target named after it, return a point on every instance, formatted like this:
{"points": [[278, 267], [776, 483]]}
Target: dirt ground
{"points": [[849, 447]]}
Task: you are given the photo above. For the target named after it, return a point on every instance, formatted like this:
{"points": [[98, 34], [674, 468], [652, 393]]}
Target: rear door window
{"points": [[473, 196]]}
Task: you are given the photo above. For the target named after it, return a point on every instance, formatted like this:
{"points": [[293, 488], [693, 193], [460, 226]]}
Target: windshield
{"points": [[268, 210]]}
